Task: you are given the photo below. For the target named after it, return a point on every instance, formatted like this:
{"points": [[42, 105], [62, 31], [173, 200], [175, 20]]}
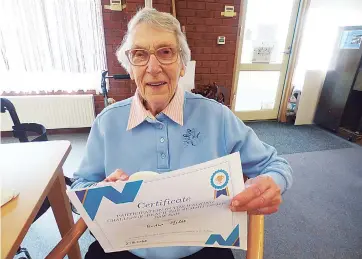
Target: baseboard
{"points": [[350, 135]]}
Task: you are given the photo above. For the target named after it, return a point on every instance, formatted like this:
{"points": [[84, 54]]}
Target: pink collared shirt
{"points": [[174, 110]]}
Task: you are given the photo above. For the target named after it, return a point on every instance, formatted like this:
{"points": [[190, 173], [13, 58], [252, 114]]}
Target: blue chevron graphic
{"points": [[232, 240], [92, 198]]}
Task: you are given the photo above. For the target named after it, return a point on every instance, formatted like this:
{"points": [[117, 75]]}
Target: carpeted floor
{"points": [[320, 216], [289, 139]]}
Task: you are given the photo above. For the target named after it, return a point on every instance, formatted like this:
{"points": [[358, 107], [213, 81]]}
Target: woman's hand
{"points": [[261, 196], [116, 176]]}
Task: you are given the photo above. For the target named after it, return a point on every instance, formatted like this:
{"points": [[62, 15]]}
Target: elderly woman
{"points": [[162, 128]]}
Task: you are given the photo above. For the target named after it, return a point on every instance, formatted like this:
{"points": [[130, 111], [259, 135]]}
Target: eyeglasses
{"points": [[140, 57]]}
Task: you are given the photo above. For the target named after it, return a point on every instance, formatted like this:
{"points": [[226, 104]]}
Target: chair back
{"points": [[7, 105], [21, 130]]}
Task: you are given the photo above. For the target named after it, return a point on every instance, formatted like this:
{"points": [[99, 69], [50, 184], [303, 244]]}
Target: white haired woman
{"points": [[162, 128]]}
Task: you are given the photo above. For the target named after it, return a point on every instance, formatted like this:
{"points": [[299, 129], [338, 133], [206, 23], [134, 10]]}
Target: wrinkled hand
{"points": [[261, 196], [116, 176]]}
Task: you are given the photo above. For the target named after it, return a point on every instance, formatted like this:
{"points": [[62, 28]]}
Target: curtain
{"points": [[50, 45]]}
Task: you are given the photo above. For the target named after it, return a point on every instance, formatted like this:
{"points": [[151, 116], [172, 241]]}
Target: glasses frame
{"points": [[152, 52]]}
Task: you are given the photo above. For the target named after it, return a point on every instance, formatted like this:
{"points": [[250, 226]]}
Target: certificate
{"points": [[186, 207]]}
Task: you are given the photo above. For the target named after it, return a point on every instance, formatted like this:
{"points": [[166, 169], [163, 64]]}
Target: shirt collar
{"points": [[174, 109]]}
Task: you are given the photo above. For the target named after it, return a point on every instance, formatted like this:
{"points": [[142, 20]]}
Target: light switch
{"points": [[229, 11], [221, 40], [115, 5]]}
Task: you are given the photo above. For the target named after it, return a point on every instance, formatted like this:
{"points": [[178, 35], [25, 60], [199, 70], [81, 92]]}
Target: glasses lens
{"points": [[138, 56], [166, 55]]}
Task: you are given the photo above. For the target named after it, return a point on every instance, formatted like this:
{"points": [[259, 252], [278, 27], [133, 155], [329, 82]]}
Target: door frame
{"points": [[302, 15], [281, 96]]}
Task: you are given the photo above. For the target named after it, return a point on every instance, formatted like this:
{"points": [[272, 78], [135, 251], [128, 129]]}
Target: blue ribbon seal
{"points": [[219, 181]]}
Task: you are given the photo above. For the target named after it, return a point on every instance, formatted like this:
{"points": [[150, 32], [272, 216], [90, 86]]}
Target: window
{"points": [[51, 45]]}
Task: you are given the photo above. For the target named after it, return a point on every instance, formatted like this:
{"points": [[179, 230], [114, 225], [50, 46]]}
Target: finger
{"points": [[265, 211], [270, 197], [106, 180], [277, 201], [255, 189], [117, 175], [246, 196], [115, 178]]}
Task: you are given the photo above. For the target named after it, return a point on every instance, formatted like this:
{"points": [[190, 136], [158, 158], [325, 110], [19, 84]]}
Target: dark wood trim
{"points": [[350, 135]]}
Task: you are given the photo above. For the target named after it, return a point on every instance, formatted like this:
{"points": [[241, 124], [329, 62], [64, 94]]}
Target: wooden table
{"points": [[35, 170]]}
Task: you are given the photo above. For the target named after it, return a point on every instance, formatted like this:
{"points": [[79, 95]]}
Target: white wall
{"points": [[319, 38], [351, 7], [320, 34], [312, 87]]}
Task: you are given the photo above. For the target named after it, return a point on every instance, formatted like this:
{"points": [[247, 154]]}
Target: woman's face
{"points": [[156, 82]]}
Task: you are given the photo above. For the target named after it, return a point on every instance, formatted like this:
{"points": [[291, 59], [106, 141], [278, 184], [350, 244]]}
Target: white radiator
{"points": [[52, 111]]}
